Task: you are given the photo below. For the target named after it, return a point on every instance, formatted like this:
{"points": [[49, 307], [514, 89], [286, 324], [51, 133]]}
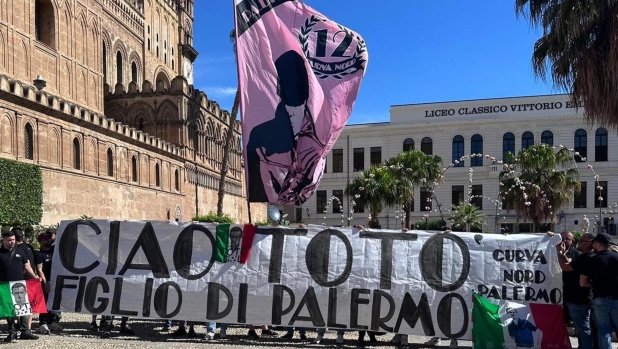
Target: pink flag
{"points": [[299, 75]]}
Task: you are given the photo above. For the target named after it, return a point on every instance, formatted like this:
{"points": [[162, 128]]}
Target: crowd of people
{"points": [[590, 286]]}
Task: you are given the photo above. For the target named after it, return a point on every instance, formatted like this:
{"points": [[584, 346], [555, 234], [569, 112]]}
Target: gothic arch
{"points": [[91, 153], [167, 108], [115, 111], [139, 110], [161, 75], [54, 146], [81, 29], [134, 58], [119, 47], [6, 134], [53, 36]]}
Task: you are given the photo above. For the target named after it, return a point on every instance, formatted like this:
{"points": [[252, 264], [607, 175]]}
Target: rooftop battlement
{"points": [[178, 86], [129, 11], [80, 115]]}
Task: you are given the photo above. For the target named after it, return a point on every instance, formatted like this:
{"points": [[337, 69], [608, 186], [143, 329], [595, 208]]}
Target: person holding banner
{"points": [[12, 266], [25, 322], [44, 256]]}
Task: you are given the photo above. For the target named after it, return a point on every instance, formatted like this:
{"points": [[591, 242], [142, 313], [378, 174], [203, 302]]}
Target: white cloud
{"points": [[220, 92]]}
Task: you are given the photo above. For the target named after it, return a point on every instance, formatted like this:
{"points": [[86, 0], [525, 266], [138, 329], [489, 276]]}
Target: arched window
{"points": [[427, 146], [157, 176], [140, 125], [580, 144], [547, 137], [165, 58], [148, 44], [45, 22], [527, 140], [600, 145], [508, 144], [458, 150], [110, 162], [176, 180], [134, 72], [408, 144], [29, 142], [104, 63], [77, 161], [173, 64], [118, 67], [157, 51], [134, 169], [476, 147]]}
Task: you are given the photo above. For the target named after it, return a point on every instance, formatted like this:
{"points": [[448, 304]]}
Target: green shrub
{"points": [[213, 218], [21, 193], [576, 235]]}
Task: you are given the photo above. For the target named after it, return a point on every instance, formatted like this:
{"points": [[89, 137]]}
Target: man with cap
{"points": [[601, 272]]}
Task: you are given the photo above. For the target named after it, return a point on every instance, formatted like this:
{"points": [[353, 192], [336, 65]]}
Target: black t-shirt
{"points": [[45, 257], [28, 251], [602, 271], [14, 271], [581, 294], [573, 293]]}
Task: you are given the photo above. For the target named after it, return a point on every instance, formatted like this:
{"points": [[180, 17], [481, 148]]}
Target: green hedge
{"points": [[212, 218], [21, 193]]}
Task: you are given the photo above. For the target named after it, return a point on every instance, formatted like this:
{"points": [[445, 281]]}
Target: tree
{"points": [[411, 169], [373, 190], [540, 189], [579, 48], [467, 216], [229, 138]]}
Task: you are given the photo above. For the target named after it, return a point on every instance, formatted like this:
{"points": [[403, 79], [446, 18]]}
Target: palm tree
{"points": [[468, 216], [229, 138], [372, 189], [541, 188], [409, 170], [579, 49]]}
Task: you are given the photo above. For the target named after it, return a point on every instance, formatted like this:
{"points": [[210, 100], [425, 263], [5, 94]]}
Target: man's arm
{"points": [[29, 270], [39, 268], [565, 262], [584, 281]]}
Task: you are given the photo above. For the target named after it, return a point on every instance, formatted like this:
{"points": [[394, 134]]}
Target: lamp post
{"points": [[39, 83]]}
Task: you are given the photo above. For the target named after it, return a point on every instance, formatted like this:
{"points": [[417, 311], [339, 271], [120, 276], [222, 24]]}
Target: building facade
{"points": [[454, 129], [118, 128]]}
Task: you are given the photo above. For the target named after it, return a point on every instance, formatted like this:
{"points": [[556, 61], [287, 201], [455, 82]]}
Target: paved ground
{"points": [[150, 334]]}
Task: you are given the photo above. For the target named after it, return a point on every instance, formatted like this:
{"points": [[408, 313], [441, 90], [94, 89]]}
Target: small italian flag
{"points": [[18, 298], [506, 325], [233, 242]]}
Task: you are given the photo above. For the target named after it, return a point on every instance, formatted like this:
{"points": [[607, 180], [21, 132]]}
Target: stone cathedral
{"points": [[118, 129]]}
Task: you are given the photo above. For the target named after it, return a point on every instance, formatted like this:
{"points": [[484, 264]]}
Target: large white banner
{"points": [[411, 282]]}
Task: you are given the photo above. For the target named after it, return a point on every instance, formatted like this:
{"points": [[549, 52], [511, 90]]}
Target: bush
{"points": [[576, 236], [430, 224], [21, 193], [213, 218]]}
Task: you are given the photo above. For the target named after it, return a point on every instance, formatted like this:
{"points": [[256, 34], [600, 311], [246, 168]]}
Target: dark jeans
{"points": [[12, 324], [580, 314], [606, 316]]}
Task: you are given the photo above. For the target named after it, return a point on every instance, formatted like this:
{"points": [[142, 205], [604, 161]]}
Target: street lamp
{"points": [[39, 83]]}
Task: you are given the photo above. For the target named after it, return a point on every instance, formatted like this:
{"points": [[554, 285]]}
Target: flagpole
{"points": [[240, 102]]}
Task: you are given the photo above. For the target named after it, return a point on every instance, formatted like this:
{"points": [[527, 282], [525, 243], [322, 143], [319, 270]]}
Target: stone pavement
{"points": [[150, 334]]}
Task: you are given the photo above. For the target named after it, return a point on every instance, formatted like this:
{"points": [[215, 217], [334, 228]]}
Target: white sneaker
{"points": [[54, 326], [43, 329], [433, 341], [319, 338], [209, 336], [404, 339], [454, 344], [396, 339], [339, 338]]}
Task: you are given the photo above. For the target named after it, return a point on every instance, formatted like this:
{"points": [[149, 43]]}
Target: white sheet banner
{"points": [[411, 282]]}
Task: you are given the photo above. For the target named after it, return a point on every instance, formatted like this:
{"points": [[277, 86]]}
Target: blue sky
{"points": [[420, 51]]}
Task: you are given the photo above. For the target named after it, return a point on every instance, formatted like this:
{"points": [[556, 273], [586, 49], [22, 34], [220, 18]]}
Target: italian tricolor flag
{"points": [[18, 298], [233, 242], [503, 324]]}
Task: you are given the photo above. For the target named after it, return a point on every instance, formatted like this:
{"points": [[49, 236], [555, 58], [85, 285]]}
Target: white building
{"points": [[452, 129]]}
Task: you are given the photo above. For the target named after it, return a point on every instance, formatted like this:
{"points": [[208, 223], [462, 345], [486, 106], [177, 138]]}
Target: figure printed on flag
{"points": [[523, 332], [299, 75], [22, 306]]}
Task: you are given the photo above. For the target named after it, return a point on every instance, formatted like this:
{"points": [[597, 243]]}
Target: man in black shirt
{"points": [[47, 322], [576, 298], [12, 266], [25, 322], [601, 272]]}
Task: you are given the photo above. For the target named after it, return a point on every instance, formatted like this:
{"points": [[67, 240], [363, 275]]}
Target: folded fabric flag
{"points": [[505, 325], [18, 298], [233, 242]]}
